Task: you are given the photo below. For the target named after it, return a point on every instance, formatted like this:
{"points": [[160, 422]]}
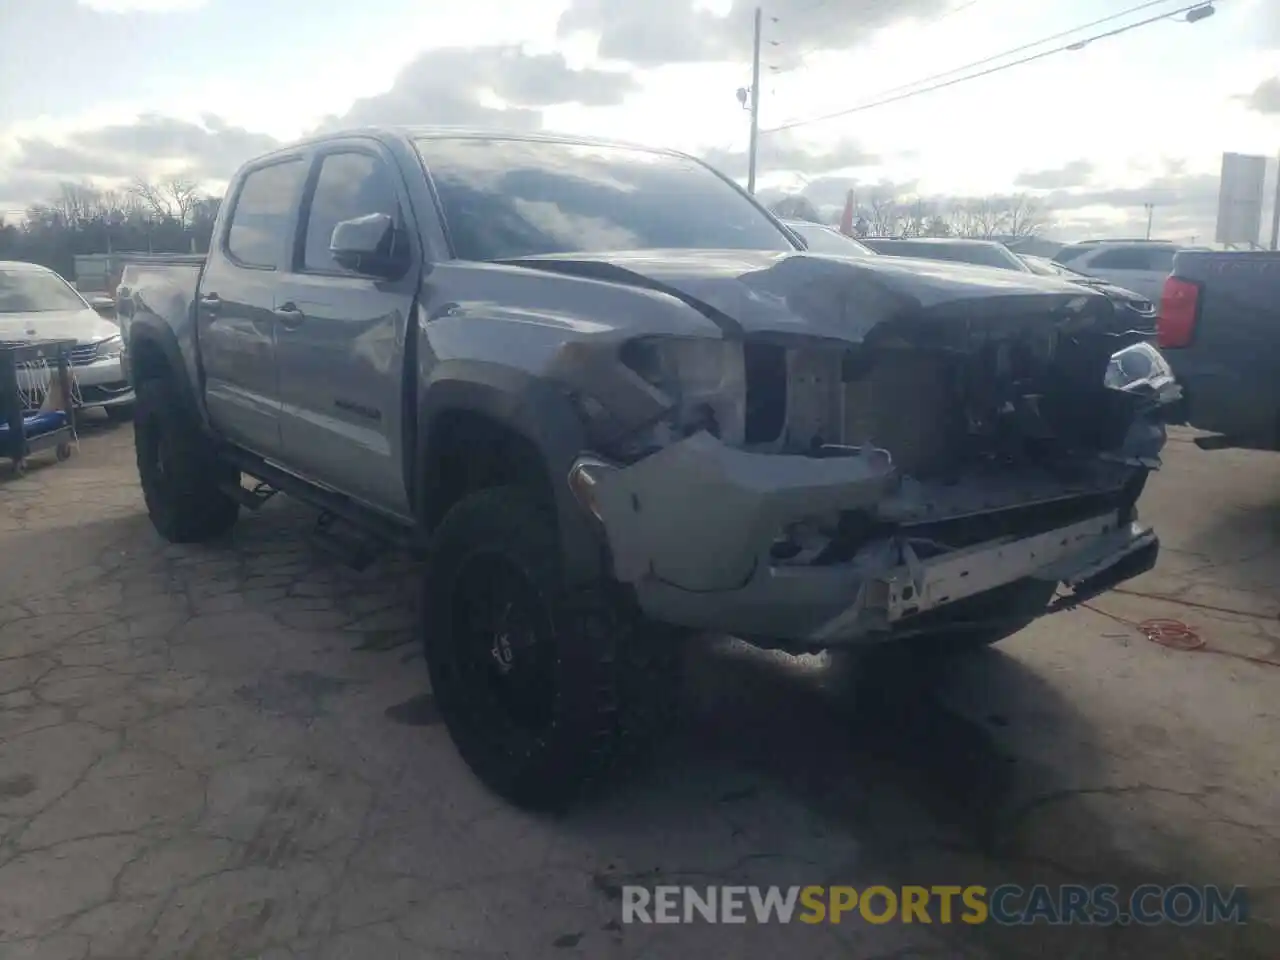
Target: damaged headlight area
{"points": [[703, 380], [655, 391], [1139, 367]]}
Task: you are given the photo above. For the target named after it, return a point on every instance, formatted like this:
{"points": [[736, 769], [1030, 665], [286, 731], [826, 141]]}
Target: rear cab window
{"points": [[262, 214]]}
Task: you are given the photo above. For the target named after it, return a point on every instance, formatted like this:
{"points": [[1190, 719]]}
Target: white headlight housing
{"points": [[1137, 366]]}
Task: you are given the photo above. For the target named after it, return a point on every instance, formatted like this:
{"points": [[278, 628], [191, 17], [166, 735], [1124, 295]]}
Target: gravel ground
{"points": [[231, 751]]}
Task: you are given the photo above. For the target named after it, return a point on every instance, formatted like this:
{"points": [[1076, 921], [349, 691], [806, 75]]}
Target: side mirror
{"points": [[368, 245], [103, 306]]}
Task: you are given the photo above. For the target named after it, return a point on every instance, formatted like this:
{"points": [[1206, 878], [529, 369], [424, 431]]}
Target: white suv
{"points": [[1138, 265]]}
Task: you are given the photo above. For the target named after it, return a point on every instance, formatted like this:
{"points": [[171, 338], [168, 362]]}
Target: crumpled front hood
{"points": [[755, 292], [1110, 290], [83, 326]]}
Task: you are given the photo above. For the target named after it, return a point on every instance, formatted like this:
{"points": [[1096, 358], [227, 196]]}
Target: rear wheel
{"points": [[180, 474], [541, 688]]}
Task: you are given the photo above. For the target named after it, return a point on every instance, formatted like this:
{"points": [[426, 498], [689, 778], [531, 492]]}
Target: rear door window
{"points": [[262, 217]]}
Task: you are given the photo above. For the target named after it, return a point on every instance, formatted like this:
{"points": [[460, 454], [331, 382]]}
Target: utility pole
{"points": [[1151, 210], [1275, 212], [755, 105]]}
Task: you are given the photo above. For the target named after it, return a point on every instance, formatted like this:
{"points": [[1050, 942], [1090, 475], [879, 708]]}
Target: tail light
{"points": [[1179, 306]]}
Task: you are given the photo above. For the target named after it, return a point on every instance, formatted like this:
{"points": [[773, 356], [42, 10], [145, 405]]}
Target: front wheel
{"points": [[182, 478], [540, 688]]}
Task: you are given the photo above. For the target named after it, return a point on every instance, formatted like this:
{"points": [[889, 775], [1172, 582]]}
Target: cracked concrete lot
{"points": [[229, 751]]}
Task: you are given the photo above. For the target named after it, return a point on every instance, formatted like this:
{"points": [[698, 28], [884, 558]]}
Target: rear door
{"points": [[236, 303], [342, 335], [1140, 269]]}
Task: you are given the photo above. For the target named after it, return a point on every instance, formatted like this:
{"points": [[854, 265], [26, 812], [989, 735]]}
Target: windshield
{"points": [[825, 240], [504, 199], [36, 291], [978, 254]]}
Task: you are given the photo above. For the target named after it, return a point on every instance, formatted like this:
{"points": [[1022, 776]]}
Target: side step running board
{"points": [[365, 533], [249, 499], [344, 542]]}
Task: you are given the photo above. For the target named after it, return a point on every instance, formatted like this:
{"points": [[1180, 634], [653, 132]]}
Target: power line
{"points": [[1075, 45], [1137, 8]]}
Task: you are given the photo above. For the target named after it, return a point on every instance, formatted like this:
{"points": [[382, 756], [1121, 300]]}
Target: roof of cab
{"points": [[410, 133]]}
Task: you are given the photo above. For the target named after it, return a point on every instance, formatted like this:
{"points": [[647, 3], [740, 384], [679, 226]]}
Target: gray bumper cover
{"points": [[690, 529]]}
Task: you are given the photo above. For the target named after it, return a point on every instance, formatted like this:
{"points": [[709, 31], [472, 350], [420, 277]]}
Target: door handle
{"points": [[211, 303], [289, 315]]}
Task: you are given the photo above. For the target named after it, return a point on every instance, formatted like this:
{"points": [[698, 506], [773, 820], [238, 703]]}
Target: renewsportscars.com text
{"points": [[1007, 905]]}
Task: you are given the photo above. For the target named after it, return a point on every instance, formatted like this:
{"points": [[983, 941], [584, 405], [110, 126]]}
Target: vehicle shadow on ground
{"points": [[875, 756]]}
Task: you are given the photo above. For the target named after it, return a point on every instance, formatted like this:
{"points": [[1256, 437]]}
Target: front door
{"points": [[236, 306], [341, 335]]}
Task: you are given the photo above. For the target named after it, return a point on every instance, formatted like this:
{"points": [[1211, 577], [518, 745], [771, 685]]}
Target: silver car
{"points": [[37, 304]]}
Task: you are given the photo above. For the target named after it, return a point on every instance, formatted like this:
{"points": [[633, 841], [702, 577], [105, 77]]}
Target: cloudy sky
{"points": [[106, 90]]}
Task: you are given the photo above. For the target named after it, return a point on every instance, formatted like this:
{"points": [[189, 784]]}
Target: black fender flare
{"points": [[539, 411], [158, 335]]}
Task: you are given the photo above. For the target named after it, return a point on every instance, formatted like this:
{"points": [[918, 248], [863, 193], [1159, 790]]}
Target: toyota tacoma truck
{"points": [[1219, 329], [612, 402]]}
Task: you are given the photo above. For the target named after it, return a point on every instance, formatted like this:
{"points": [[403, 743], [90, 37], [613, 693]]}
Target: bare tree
{"points": [[1025, 216], [75, 204], [937, 226], [796, 206], [882, 214], [173, 199], [1016, 215]]}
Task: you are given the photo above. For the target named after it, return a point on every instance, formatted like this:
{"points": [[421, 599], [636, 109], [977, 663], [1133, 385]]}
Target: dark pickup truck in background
{"points": [[612, 402], [1219, 329]]}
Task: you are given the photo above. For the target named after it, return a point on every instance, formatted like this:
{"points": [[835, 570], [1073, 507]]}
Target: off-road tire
{"points": [[178, 469], [614, 679]]}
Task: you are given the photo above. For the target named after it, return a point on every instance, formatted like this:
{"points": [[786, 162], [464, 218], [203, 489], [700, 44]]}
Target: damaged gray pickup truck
{"points": [[613, 402]]}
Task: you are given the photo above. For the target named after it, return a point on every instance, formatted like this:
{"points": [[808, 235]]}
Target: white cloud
{"points": [[142, 6], [1108, 119]]}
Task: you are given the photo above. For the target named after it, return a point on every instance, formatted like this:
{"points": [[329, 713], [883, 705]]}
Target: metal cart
{"points": [[30, 424]]}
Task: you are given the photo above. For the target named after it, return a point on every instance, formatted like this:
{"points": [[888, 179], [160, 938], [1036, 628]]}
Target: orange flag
{"points": [[846, 218]]}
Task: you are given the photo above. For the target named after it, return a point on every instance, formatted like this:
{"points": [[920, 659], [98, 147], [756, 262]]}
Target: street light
{"points": [[1194, 15]]}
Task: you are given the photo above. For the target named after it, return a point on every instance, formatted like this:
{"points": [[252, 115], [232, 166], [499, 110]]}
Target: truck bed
{"points": [[1229, 366]]}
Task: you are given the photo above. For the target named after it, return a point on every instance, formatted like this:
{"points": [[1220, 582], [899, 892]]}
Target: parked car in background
{"points": [[1133, 309], [1219, 329], [37, 304], [1137, 265], [820, 238], [980, 253]]}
